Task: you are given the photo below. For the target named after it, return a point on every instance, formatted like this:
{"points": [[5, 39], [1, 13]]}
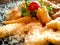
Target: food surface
{"points": [[32, 23]]}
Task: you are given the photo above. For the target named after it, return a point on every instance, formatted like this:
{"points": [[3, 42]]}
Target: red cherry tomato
{"points": [[33, 6]]}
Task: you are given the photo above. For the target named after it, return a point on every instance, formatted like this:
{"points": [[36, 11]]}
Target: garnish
{"points": [[34, 13], [41, 3], [26, 13], [49, 8], [26, 2], [33, 6]]}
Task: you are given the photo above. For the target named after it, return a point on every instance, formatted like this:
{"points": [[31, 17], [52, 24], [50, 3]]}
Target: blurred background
{"points": [[5, 1]]}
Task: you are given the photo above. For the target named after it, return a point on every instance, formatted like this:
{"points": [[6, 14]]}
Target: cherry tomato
{"points": [[33, 6]]}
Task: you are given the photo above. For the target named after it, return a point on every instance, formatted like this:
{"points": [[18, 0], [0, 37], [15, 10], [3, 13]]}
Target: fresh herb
{"points": [[41, 3], [26, 2], [23, 9], [49, 8], [26, 12], [34, 13]]}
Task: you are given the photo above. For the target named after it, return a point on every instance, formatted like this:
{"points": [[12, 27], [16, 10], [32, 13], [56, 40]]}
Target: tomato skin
{"points": [[33, 6]]}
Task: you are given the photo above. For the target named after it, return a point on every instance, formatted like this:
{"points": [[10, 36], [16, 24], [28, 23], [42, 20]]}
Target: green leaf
{"points": [[23, 9], [34, 13], [49, 8], [27, 13], [41, 3]]}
